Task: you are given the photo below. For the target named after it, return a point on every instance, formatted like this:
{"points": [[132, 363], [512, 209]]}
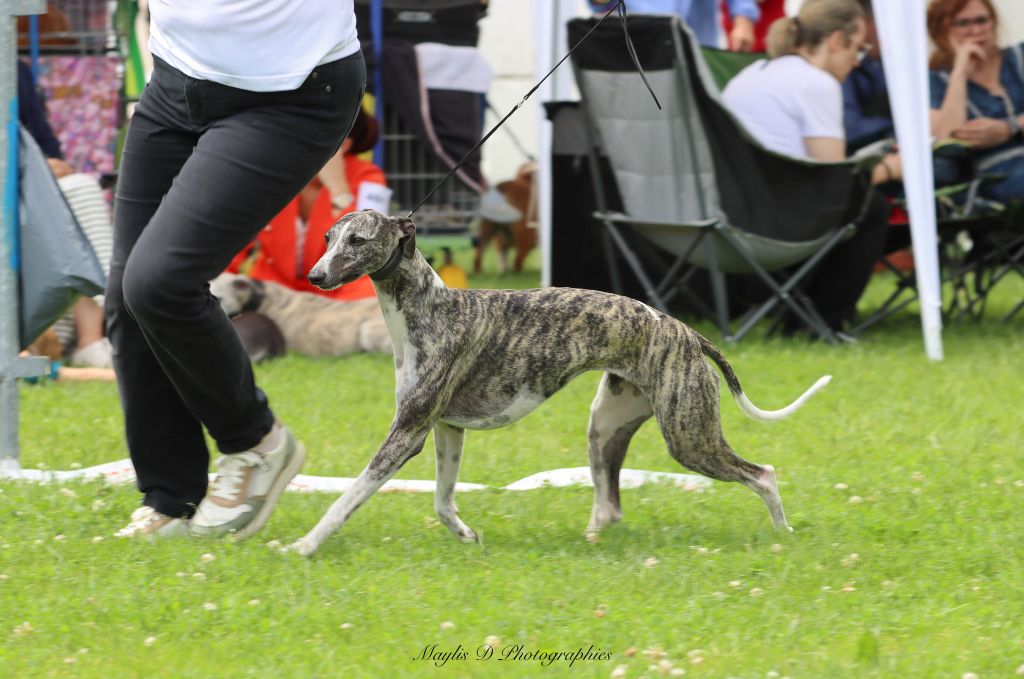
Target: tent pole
{"points": [[904, 42]]}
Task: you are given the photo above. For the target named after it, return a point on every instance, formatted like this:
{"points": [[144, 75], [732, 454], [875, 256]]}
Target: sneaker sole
{"points": [[280, 483]]}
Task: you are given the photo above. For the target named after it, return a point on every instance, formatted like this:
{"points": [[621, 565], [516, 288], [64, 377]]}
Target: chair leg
{"points": [[783, 293], [614, 276], [719, 294]]}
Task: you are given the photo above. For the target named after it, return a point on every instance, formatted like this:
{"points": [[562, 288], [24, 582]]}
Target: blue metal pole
{"points": [[377, 33], [33, 45], [11, 367]]}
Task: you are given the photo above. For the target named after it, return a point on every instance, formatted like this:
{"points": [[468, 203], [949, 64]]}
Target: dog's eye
{"points": [[356, 240]]}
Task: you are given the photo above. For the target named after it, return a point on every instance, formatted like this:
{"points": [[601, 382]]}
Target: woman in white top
{"points": [[248, 100], [793, 104]]}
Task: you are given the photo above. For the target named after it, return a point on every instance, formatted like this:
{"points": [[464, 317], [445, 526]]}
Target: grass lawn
{"points": [[904, 481]]}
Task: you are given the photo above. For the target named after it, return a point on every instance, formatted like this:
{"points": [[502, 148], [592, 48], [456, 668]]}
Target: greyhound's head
{"points": [[236, 293], [364, 242]]}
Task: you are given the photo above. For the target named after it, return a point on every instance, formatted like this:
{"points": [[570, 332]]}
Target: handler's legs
{"points": [[205, 167]]}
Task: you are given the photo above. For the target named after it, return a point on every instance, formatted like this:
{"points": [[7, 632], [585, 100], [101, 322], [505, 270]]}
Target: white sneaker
{"points": [[98, 354], [244, 493], [147, 522]]}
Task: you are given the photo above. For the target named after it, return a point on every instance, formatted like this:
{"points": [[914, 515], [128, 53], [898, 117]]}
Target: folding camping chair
{"points": [[980, 244], [697, 185]]}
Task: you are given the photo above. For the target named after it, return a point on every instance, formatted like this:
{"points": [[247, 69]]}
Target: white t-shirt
{"points": [[255, 45], [783, 101]]}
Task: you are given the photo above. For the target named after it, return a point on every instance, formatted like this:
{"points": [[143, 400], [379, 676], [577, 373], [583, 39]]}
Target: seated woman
{"points": [[977, 90], [793, 104], [291, 244]]}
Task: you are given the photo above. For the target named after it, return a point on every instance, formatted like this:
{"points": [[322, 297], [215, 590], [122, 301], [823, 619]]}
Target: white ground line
{"points": [[121, 471]]}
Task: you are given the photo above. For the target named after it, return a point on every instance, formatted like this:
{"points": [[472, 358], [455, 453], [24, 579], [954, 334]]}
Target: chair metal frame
{"points": [[784, 283]]}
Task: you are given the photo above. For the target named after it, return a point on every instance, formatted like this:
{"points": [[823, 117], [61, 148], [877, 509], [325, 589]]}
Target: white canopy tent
{"points": [[904, 38]]}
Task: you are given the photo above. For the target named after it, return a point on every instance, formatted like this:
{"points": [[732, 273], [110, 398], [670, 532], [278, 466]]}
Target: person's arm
{"points": [[952, 113], [830, 150], [890, 169], [985, 133], [333, 177], [745, 14], [820, 102], [858, 125], [826, 149]]}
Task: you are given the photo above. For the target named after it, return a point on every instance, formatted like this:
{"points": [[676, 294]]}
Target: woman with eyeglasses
{"points": [[977, 90], [793, 104]]}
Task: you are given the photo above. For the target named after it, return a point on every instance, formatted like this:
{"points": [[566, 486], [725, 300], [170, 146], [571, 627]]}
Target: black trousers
{"points": [[841, 278], [204, 168]]}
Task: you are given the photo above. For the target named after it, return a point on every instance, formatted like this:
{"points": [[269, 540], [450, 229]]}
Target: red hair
{"points": [[364, 133], [940, 20]]}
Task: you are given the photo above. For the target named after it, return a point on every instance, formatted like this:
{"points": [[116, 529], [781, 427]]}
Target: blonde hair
{"points": [[817, 20]]}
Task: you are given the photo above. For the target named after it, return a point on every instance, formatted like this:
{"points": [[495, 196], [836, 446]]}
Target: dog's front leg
{"points": [[398, 448], [448, 442]]}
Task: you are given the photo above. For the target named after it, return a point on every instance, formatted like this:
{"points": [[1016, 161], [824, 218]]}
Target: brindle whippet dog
{"points": [[481, 359]]}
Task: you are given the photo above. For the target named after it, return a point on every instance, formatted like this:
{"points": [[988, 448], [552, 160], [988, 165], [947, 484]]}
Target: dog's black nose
{"points": [[316, 278]]}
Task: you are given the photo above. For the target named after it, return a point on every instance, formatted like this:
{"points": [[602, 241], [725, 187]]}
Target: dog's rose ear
{"points": [[408, 231], [405, 225]]}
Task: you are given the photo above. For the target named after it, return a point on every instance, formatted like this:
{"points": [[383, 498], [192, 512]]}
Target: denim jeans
{"points": [[204, 168]]}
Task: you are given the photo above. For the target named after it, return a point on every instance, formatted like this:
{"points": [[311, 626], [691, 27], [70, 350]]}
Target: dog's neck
{"points": [[411, 283]]}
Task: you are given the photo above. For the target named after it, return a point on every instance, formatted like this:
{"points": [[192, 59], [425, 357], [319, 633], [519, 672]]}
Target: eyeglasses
{"points": [[967, 22]]}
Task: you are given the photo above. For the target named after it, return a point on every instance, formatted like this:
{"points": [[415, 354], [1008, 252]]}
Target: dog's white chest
{"points": [[405, 353]]}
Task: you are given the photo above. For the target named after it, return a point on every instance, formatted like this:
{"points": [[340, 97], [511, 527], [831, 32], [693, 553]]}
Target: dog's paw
{"points": [[467, 536], [302, 547]]}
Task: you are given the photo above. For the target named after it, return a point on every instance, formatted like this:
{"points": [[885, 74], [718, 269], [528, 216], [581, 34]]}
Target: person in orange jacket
{"points": [[287, 248]]}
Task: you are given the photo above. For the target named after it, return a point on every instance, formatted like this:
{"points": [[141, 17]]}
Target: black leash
{"points": [[621, 7], [512, 135]]}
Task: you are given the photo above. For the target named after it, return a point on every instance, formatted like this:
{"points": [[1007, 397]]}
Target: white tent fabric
{"points": [[904, 41]]}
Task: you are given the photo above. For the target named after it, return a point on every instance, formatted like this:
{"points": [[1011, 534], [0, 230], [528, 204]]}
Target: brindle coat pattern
{"points": [[480, 359]]}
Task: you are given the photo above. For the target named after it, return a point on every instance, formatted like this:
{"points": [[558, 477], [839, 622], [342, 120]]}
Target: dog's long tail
{"points": [[748, 408]]}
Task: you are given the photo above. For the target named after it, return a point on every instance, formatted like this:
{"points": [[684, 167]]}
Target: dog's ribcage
{"points": [[504, 352]]}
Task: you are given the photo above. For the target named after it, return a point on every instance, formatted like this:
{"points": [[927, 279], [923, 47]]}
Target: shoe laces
{"points": [[231, 471]]}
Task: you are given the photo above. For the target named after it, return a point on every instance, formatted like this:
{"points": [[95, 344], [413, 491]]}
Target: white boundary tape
{"points": [[121, 471]]}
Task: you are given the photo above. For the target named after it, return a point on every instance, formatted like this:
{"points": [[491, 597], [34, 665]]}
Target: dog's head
{"points": [[236, 293], [361, 243]]}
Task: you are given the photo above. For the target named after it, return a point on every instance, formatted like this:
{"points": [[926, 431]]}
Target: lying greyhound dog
{"points": [[481, 359], [311, 324]]}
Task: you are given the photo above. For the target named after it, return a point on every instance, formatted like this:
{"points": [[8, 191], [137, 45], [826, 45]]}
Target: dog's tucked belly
{"points": [[495, 414]]}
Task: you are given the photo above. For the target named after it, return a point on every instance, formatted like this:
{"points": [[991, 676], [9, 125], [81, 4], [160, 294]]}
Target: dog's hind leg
{"points": [[448, 442], [618, 410], [400, 446], [687, 411]]}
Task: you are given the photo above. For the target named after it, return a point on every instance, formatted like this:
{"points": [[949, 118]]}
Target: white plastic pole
{"points": [[904, 42]]}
